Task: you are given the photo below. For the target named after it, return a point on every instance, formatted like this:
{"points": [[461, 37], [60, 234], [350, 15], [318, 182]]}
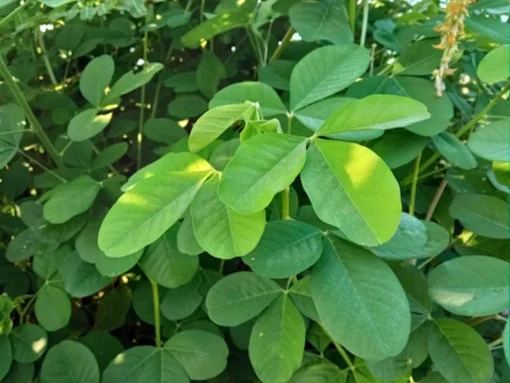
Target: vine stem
{"points": [[23, 103], [412, 203], [157, 315], [435, 200], [13, 14], [364, 25], [139, 138], [47, 64], [284, 43]]}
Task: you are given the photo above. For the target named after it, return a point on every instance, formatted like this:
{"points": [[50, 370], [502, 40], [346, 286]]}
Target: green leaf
{"points": [[70, 199], [70, 361], [326, 71], [269, 101], [29, 342], [482, 214], [506, 342], [143, 302], [52, 308], [263, 166], [492, 142], [238, 297], [113, 267], [20, 373], [110, 155], [277, 341], [95, 78], [146, 211], [113, 308], [131, 81], [163, 130], [6, 352], [386, 112], [287, 248], [454, 151], [352, 189], [11, 130], [301, 294], [471, 286], [81, 279], [418, 59], [203, 355], [459, 353], [182, 82], [220, 230], [145, 364], [210, 72], [46, 264], [214, 26], [163, 263], [320, 371], [183, 301], [322, 20], [489, 28], [87, 124], [103, 345], [276, 74], [398, 148], [493, 68], [216, 121], [375, 316], [186, 238], [23, 246], [187, 105]]}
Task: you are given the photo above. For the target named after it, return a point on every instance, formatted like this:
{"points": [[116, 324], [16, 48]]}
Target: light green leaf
{"points": [[216, 121], [203, 355], [277, 342], [144, 364], [386, 112], [459, 353], [287, 248], [70, 199], [321, 20], [95, 78], [210, 72], [145, 212], [6, 352], [183, 301], [70, 361], [163, 263], [186, 238], [223, 153], [131, 81], [110, 155], [12, 124], [375, 317], [262, 167], [482, 214], [269, 101], [239, 297], [52, 308], [221, 231], [29, 342], [493, 68], [87, 124], [471, 286], [492, 142], [454, 151], [187, 106], [315, 115], [398, 148], [352, 189], [326, 71]]}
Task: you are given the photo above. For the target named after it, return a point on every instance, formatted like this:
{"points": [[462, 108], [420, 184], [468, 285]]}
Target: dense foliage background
{"points": [[242, 191]]}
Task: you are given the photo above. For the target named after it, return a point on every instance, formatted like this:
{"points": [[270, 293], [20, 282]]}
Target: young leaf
{"points": [[217, 120], [386, 112], [287, 248], [70, 199], [52, 308], [131, 81], [145, 212], [29, 341], [326, 71], [493, 68], [352, 189], [454, 151], [482, 214], [262, 167], [492, 142], [277, 341], [459, 353], [87, 124], [11, 130], [221, 231], [237, 298], [375, 317], [471, 286], [203, 355], [95, 78], [70, 361]]}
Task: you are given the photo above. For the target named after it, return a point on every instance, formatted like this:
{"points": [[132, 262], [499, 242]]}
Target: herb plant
{"points": [[254, 191]]}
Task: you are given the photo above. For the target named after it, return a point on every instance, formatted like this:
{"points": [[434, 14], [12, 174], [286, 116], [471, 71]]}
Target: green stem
{"points": [[222, 266], [155, 102], [32, 159], [283, 45], [364, 26], [340, 350], [286, 203], [352, 15], [435, 200], [47, 64], [496, 342], [25, 309], [157, 315], [36, 126], [412, 203], [16, 131], [7, 19], [139, 138]]}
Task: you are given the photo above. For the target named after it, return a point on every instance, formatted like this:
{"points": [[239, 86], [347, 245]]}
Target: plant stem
{"points": [[222, 266], [352, 15], [47, 64], [435, 200], [16, 131], [32, 159], [412, 203], [283, 44], [22, 102], [477, 320], [372, 59], [286, 203], [155, 102], [7, 19], [139, 138], [25, 309], [496, 342], [157, 315], [340, 349], [364, 25]]}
